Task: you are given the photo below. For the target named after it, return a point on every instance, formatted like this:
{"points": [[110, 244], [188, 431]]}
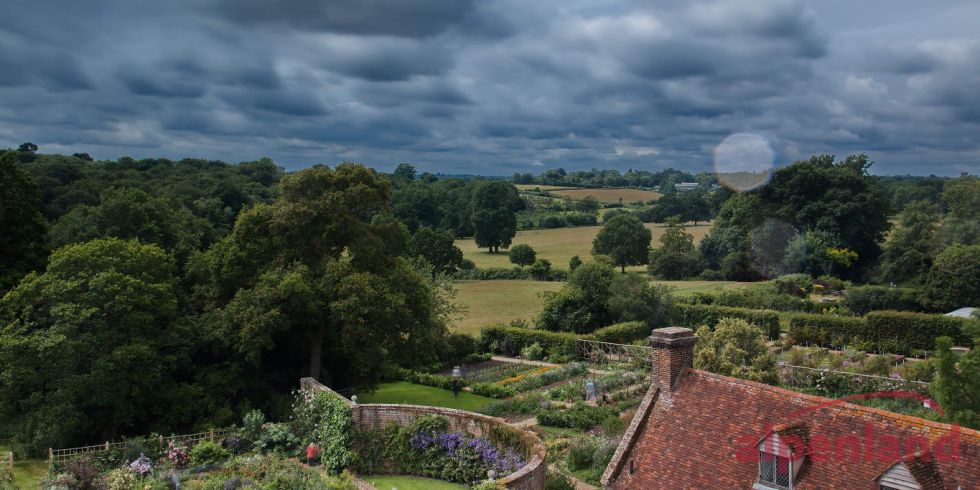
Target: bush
{"points": [[794, 284], [865, 299], [252, 424], [581, 219], [889, 331], [580, 453], [514, 273], [278, 439], [580, 416], [533, 351], [493, 390], [459, 347], [510, 340], [552, 222], [540, 269], [621, 333], [831, 283], [825, 330], [905, 333], [522, 254], [612, 213], [556, 480], [207, 453], [693, 316]]}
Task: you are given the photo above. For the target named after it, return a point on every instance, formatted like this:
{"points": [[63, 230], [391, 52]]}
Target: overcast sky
{"points": [[495, 86]]}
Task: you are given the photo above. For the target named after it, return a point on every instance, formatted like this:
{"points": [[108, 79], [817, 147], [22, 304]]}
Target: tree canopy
{"points": [[624, 239], [22, 226], [494, 219]]}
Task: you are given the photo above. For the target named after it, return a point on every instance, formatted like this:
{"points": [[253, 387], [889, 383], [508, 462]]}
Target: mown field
{"points": [[609, 195], [560, 244], [531, 187], [502, 301]]}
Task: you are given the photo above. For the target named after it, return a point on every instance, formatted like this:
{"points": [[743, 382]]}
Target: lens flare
{"points": [[743, 161]]}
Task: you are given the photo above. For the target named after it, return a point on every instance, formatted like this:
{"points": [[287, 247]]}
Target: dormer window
{"points": [[781, 455], [901, 477]]}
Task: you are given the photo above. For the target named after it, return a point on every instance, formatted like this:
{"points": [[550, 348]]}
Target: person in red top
{"points": [[311, 454]]}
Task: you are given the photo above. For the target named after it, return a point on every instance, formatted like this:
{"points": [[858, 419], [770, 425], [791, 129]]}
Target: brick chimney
{"points": [[673, 350]]}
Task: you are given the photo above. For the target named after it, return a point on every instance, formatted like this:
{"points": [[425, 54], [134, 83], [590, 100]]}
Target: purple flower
{"points": [[141, 465]]}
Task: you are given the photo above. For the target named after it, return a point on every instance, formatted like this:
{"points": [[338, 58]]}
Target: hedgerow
{"points": [[693, 316]]}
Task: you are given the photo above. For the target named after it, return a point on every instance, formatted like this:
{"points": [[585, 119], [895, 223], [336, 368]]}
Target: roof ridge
{"points": [[963, 431]]}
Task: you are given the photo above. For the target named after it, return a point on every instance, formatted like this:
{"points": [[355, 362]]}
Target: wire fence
{"points": [[56, 457]]}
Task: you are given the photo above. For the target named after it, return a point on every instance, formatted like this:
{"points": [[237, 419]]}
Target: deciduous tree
{"points": [[625, 240]]}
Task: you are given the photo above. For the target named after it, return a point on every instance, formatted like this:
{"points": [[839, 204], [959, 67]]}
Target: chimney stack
{"points": [[673, 350]]}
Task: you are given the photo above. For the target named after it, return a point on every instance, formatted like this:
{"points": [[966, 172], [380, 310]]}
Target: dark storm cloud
{"points": [[494, 86], [408, 18]]}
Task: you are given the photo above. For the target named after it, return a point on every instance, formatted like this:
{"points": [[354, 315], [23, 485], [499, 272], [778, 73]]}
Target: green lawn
{"points": [[488, 302], [410, 483], [686, 288], [560, 244], [27, 472], [411, 394]]}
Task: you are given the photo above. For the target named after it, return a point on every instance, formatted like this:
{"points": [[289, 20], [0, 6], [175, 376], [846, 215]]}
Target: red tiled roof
{"points": [[705, 436]]}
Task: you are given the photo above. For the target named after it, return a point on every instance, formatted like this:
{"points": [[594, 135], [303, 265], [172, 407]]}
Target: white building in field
{"points": [[966, 312]]}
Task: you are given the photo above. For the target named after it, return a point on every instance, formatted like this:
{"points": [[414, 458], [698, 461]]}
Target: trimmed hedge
{"points": [[694, 315], [498, 273], [621, 333], [826, 329], [510, 340], [897, 332], [865, 299], [902, 332]]}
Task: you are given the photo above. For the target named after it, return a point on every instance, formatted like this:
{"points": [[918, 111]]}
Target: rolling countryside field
{"points": [[607, 195], [560, 244], [501, 301]]}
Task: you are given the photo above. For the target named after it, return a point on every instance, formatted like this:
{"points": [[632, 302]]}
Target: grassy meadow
{"points": [[405, 393], [560, 244], [609, 195], [501, 301], [28, 473]]}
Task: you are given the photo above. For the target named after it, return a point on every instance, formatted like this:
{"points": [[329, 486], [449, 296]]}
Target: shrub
{"points": [[889, 331], [825, 330], [522, 254], [764, 296], [252, 424], [520, 406], [540, 269], [556, 480], [207, 453], [693, 316], [904, 332], [493, 390], [581, 219], [579, 416], [512, 273], [533, 351], [621, 333], [236, 444], [552, 222], [580, 453], [118, 479], [613, 426], [831, 283], [277, 438], [794, 284], [865, 299], [510, 340], [612, 213], [574, 262]]}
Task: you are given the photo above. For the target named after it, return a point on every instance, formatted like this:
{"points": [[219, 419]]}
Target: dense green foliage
{"points": [[957, 383], [676, 258], [522, 255], [97, 332], [437, 248], [954, 279], [862, 300], [735, 348], [896, 332], [696, 315], [22, 227], [494, 221], [624, 239]]}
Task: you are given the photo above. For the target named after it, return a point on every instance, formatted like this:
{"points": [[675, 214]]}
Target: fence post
{"points": [[211, 435], [106, 445], [50, 457]]}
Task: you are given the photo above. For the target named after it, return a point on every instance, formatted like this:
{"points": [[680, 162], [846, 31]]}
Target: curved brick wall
{"points": [[377, 416]]}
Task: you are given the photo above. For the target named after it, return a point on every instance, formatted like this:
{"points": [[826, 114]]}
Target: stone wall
{"points": [[377, 416]]}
